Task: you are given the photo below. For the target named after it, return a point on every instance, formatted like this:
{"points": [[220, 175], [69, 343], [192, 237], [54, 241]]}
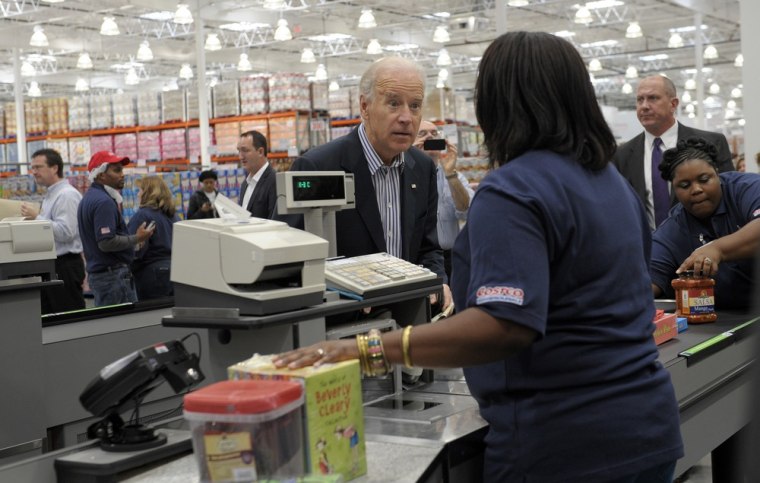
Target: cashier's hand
{"points": [[143, 233], [28, 211], [704, 261], [318, 354], [447, 299]]}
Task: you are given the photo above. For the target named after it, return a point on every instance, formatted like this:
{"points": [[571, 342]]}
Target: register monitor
{"points": [[258, 266], [27, 249]]}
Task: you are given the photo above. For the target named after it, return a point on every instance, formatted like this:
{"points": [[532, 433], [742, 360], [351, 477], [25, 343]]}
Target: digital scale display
{"points": [[315, 188]]}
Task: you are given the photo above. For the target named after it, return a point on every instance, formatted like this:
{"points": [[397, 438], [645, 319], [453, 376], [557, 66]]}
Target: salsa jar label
{"points": [[698, 301]]}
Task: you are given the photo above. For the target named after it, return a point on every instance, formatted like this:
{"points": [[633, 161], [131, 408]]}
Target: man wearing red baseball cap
{"points": [[108, 246]]}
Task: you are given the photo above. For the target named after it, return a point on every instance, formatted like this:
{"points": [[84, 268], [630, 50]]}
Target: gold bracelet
{"points": [[361, 344], [452, 175], [405, 346]]}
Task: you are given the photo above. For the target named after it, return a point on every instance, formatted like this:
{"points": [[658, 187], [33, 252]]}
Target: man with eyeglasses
{"points": [[454, 192], [59, 206]]}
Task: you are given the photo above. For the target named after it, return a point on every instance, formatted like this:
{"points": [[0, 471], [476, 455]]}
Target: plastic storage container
{"points": [[695, 298], [247, 430]]}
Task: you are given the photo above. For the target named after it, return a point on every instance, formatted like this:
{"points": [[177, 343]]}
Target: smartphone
{"points": [[151, 225], [434, 145]]}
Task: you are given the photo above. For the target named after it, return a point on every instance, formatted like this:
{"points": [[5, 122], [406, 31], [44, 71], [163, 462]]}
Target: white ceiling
{"points": [[73, 26]]}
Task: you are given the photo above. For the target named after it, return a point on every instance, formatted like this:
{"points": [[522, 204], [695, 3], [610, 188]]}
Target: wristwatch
{"points": [[452, 175]]}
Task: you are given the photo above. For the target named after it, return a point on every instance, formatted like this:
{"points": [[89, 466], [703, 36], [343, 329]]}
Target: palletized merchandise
{"points": [[101, 143], [254, 94], [126, 145], [192, 103], [60, 145], [149, 145], [289, 92], [101, 112], [173, 144], [10, 119], [57, 115], [79, 151], [124, 113], [148, 108], [260, 125], [194, 143], [319, 96], [340, 103], [36, 122], [226, 99], [226, 135], [355, 102], [79, 113], [173, 105]]}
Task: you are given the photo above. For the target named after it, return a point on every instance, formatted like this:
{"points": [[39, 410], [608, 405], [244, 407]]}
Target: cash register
{"points": [[27, 249]]}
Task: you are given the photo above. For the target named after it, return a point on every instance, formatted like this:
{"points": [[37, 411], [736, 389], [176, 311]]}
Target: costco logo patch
{"points": [[510, 295]]}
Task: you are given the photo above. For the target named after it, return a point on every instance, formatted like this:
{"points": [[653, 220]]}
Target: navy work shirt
{"points": [[563, 250], [159, 245], [682, 233], [100, 219]]}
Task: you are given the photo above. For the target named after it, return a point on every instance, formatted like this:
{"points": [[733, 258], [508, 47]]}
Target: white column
{"points": [[18, 91], [700, 77], [200, 62], [750, 11]]}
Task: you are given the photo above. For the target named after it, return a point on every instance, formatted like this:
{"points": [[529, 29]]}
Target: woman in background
{"points": [[151, 266], [555, 328]]}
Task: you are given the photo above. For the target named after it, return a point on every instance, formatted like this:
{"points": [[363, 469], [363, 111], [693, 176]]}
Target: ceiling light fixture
{"points": [[441, 34], [595, 65], [690, 108], [283, 32], [84, 61], [185, 72], [274, 4], [367, 20], [374, 47], [109, 27], [131, 79], [739, 60], [81, 85], [39, 39], [583, 16], [182, 15], [690, 84], [686, 97], [714, 88], [244, 65], [631, 72], [710, 52], [27, 69], [34, 89], [334, 86], [731, 104], [736, 93], [633, 31], [518, 3], [627, 88], [144, 53], [321, 73], [675, 41], [443, 58], [443, 74], [212, 42], [307, 56]]}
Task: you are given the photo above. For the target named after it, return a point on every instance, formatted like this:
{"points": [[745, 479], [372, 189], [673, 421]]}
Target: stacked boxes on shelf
{"points": [[260, 125], [226, 135], [173, 106], [173, 144], [194, 143], [254, 94], [124, 114], [149, 145], [289, 92], [126, 145], [35, 115], [79, 181], [226, 99], [320, 96], [57, 115], [10, 119], [22, 188], [79, 113], [148, 108], [79, 151], [192, 104], [60, 145], [101, 143], [289, 133], [340, 104], [101, 112]]}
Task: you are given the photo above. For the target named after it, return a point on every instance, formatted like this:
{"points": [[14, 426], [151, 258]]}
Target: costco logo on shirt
{"points": [[510, 295]]}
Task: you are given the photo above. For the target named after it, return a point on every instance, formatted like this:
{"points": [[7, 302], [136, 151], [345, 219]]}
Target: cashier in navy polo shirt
{"points": [[108, 246]]}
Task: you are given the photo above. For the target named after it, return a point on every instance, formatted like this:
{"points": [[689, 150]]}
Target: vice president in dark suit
{"points": [[258, 193], [638, 160], [396, 192]]}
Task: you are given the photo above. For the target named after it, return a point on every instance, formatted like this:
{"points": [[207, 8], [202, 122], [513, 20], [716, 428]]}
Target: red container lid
{"points": [[243, 397]]}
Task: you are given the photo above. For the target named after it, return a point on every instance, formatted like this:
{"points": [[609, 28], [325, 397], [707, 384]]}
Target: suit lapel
{"points": [[409, 186], [243, 187]]}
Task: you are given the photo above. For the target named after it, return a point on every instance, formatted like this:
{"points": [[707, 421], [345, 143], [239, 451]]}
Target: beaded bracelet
{"points": [[371, 354]]}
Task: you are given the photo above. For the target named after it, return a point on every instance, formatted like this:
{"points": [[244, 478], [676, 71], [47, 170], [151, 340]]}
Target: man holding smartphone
{"points": [[454, 192]]}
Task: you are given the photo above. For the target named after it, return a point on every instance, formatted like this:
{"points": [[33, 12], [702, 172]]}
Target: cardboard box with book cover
{"points": [[334, 426]]}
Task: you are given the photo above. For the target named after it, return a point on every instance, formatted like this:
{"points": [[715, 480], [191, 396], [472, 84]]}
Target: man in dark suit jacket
{"points": [[387, 170], [656, 103], [258, 193]]}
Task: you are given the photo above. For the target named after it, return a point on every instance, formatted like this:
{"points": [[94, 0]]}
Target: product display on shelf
{"points": [[149, 145], [101, 112], [226, 135], [226, 99], [148, 108], [254, 94], [56, 115], [339, 104], [173, 144], [125, 145], [124, 114], [281, 129], [173, 106], [289, 92], [10, 119], [192, 104], [101, 143], [34, 112], [194, 143], [79, 151], [79, 113], [320, 96]]}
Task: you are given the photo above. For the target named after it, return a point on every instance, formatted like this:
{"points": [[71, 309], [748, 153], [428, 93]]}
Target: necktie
{"points": [[660, 194]]}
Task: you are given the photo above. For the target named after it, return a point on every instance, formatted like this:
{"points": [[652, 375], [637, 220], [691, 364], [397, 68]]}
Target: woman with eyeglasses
{"points": [[714, 229]]}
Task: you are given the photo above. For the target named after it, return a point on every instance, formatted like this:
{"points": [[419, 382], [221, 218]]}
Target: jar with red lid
{"points": [[695, 297]]}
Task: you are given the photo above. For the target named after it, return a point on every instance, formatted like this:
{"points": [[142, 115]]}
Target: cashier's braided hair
{"points": [[686, 150]]}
